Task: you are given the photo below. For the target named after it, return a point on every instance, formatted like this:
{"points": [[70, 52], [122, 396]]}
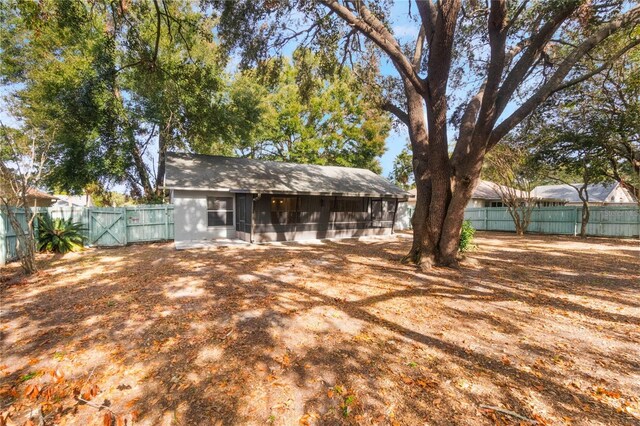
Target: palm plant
{"points": [[59, 235]]}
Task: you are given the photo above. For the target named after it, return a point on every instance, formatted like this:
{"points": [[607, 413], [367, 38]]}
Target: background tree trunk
{"points": [[584, 220], [162, 159], [25, 245]]}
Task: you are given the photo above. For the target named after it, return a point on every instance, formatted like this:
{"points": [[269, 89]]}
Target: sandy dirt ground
{"points": [[544, 327]]}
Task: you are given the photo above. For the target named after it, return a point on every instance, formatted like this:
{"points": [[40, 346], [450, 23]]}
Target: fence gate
{"points": [[107, 227]]}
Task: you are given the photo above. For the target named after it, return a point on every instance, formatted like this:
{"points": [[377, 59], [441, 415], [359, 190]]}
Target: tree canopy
{"points": [[310, 117], [125, 83], [481, 67]]}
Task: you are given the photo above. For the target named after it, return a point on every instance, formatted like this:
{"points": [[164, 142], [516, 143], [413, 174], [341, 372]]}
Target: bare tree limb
{"points": [[556, 79], [375, 31], [599, 69]]}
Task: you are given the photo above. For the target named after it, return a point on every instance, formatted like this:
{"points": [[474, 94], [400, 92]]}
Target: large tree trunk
{"points": [[439, 213], [422, 248]]}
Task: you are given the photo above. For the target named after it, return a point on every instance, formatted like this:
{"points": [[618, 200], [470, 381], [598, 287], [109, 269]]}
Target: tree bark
{"points": [[25, 245], [162, 159], [585, 219], [422, 249], [141, 169]]}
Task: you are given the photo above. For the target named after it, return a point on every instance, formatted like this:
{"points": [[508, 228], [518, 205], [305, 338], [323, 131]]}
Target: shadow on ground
{"points": [[331, 333]]}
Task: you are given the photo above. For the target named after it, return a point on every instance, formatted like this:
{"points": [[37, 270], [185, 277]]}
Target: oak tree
{"points": [[485, 66]]}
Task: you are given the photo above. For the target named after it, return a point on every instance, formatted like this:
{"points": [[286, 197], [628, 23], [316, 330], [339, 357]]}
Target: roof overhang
{"points": [[402, 197]]}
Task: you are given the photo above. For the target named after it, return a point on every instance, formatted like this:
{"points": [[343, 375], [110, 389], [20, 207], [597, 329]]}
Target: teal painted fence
{"points": [[103, 226], [604, 221]]}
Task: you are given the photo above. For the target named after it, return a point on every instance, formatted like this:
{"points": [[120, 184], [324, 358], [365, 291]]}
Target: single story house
{"points": [[600, 194], [488, 194], [219, 197]]}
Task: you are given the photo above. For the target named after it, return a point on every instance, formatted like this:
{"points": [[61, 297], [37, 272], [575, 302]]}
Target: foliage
{"points": [[124, 84], [114, 90], [23, 153], [309, 116], [59, 235], [402, 172], [595, 126], [465, 242]]}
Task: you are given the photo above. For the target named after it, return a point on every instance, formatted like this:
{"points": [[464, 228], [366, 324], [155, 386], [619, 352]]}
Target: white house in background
{"points": [[487, 194], [600, 194], [73, 201]]}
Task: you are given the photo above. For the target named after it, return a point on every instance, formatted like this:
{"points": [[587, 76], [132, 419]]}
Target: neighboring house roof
{"points": [[487, 190], [37, 194], [217, 173], [598, 193]]}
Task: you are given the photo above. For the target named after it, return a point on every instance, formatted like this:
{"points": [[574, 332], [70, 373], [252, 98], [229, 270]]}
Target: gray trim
{"points": [[313, 235], [401, 197]]}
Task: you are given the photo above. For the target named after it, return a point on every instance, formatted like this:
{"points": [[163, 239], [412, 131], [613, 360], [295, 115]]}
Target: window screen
{"points": [[283, 204], [284, 210], [389, 206], [219, 211], [348, 204]]}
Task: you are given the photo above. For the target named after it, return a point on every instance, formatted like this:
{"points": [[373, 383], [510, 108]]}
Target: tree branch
{"points": [[158, 30], [535, 46], [599, 69], [556, 79], [375, 31], [427, 12], [396, 110]]}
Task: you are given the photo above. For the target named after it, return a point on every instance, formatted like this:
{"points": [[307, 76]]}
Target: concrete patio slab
{"points": [[218, 243], [209, 244]]}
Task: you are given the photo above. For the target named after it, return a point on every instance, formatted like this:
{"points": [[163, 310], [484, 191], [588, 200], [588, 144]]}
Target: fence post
{"points": [[90, 225], [126, 223], [166, 222], [575, 221], [486, 214]]}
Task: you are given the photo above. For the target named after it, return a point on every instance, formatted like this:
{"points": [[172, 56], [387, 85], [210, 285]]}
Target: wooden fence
{"points": [[103, 226], [607, 221], [109, 227]]}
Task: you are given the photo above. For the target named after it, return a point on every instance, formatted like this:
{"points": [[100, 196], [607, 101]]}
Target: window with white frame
{"points": [[219, 211]]}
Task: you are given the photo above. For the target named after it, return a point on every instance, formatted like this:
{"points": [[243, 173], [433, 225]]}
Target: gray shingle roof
{"points": [[216, 173], [487, 190], [597, 192]]}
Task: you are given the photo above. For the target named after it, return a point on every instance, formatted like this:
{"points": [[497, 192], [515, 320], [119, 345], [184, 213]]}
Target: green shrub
{"points": [[466, 237], [59, 235]]}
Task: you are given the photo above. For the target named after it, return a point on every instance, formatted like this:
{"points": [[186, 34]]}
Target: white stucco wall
{"points": [[403, 216], [190, 216]]}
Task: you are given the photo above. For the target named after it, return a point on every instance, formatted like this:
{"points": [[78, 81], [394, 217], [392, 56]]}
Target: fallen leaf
{"points": [[107, 419], [32, 392]]}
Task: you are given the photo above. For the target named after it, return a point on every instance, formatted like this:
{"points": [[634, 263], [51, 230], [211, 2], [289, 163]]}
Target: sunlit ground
{"points": [[332, 333]]}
